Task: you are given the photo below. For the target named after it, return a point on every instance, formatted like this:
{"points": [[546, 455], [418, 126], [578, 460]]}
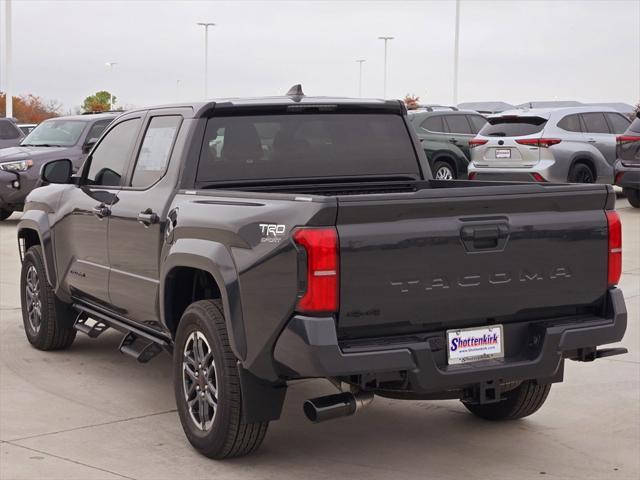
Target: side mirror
{"points": [[57, 171], [86, 148]]}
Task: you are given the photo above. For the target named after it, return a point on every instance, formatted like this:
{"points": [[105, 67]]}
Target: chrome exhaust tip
{"points": [[343, 404]]}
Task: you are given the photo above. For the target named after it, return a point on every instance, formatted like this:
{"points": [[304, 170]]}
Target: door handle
{"points": [[101, 211], [147, 217], [592, 140], [453, 140]]}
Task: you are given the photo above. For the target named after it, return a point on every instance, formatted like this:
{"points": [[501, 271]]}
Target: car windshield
{"points": [[55, 133], [512, 126]]}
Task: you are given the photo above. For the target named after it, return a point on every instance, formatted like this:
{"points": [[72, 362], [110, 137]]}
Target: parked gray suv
{"points": [[575, 145], [57, 138]]}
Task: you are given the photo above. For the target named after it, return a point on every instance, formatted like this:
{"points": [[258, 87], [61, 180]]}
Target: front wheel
{"points": [[443, 171], [520, 402], [633, 195], [207, 386], [48, 322]]}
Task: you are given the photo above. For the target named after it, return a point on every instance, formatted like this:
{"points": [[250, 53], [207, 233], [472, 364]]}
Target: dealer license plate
{"points": [[503, 153], [473, 344]]}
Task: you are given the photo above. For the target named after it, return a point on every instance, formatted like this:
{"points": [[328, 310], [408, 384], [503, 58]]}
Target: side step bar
{"points": [[137, 342]]}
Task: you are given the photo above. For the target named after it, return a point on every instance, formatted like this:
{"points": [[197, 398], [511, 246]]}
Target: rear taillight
{"points": [[619, 176], [322, 280], [622, 139], [539, 142], [538, 178], [472, 175], [615, 248], [476, 142]]}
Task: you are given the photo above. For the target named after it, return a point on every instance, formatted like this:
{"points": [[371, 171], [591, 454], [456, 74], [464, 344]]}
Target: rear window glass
{"points": [[477, 122], [512, 126], [434, 124], [264, 147], [571, 123], [635, 126]]}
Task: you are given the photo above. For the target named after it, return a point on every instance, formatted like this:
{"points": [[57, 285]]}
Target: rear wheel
{"points": [[443, 171], [581, 173], [48, 322], [5, 213], [633, 195], [207, 386], [520, 402]]}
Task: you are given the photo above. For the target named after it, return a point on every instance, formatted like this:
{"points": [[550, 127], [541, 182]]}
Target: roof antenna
{"points": [[296, 91]]}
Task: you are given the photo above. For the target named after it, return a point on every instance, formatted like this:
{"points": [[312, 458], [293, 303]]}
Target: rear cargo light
{"points": [[538, 178], [476, 142], [472, 175], [322, 279], [615, 248], [539, 142], [627, 139]]}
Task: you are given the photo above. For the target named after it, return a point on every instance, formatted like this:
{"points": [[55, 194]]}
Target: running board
{"points": [[137, 342], [139, 348]]}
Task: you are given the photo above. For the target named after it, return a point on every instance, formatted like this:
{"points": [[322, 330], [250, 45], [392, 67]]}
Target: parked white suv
{"points": [[576, 145]]}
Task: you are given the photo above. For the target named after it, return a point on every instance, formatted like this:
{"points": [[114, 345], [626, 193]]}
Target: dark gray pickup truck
{"points": [[266, 240]]}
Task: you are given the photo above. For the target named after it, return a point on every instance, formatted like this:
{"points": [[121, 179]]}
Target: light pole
{"points": [[360, 62], [455, 55], [386, 39], [206, 26], [110, 66], [7, 62]]}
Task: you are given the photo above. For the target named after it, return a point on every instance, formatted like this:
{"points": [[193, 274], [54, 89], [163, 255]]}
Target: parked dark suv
{"points": [[445, 139], [57, 138], [627, 166]]}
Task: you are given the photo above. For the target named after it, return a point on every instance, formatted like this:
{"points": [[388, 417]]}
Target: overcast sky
{"points": [[513, 51]]}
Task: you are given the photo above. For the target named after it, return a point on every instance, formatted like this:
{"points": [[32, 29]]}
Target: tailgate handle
{"points": [[485, 238]]}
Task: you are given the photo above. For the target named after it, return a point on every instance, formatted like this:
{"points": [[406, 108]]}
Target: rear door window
{"points": [[434, 124], [458, 124], [617, 123], [571, 123], [595, 123], [155, 150], [306, 145], [512, 126]]}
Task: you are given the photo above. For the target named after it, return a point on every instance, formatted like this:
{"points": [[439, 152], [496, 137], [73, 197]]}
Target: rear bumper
{"points": [[627, 177], [308, 347], [547, 169]]}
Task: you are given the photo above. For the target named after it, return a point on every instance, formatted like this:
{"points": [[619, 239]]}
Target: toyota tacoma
{"points": [[261, 241]]}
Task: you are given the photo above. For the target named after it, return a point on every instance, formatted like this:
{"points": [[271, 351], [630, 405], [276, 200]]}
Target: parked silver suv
{"points": [[576, 145]]}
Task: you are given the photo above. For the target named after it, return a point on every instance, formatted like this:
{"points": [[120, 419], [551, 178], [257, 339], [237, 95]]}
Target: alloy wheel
{"points": [[34, 302], [444, 173], [200, 381]]}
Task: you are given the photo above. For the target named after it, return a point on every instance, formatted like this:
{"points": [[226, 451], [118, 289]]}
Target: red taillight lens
{"points": [[615, 248], [538, 178], [472, 175], [627, 139], [539, 142], [322, 248], [476, 142], [619, 176]]}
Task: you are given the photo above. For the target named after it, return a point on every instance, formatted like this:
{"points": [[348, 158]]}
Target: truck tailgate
{"points": [[453, 257]]}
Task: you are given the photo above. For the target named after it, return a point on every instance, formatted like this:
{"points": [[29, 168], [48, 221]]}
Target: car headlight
{"points": [[19, 166]]}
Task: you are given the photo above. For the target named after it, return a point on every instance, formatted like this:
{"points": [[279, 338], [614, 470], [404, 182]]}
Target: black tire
{"points": [[444, 169], [633, 195], [52, 328], [520, 402], [5, 213], [581, 173], [226, 436]]}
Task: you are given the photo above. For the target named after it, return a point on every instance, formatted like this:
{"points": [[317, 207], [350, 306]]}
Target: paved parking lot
{"points": [[92, 413]]}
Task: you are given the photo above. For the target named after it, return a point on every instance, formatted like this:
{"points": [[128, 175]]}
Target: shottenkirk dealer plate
{"points": [[473, 344]]}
